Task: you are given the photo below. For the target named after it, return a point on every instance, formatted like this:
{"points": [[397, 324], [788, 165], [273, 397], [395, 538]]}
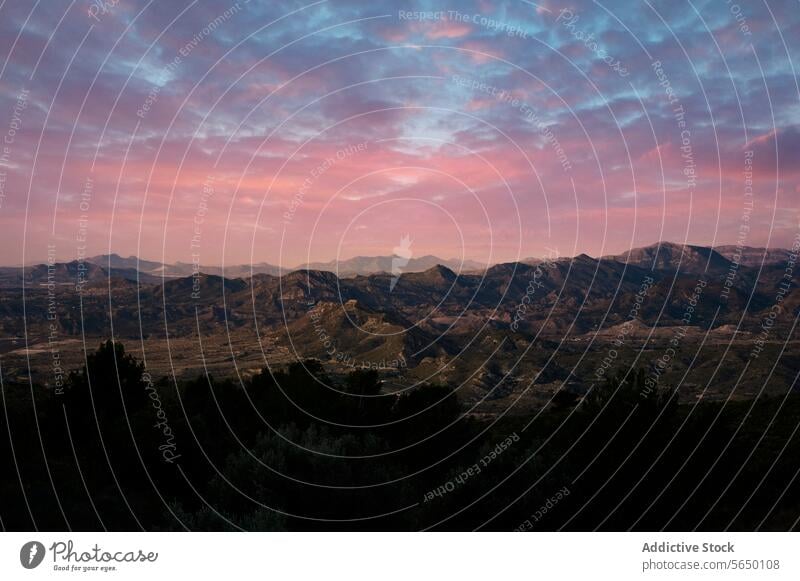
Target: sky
{"points": [[293, 131]]}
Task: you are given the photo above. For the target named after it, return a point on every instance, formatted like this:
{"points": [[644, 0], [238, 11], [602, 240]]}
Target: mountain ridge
{"points": [[661, 256]]}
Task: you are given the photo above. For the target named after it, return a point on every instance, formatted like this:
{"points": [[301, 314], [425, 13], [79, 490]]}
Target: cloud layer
{"points": [[283, 131]]}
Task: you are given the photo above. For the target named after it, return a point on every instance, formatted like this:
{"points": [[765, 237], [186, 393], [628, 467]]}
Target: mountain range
{"points": [[584, 287], [661, 256], [436, 321], [356, 266]]}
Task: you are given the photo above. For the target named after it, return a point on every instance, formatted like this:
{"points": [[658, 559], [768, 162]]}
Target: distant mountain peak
{"points": [[672, 256], [443, 271], [368, 265]]}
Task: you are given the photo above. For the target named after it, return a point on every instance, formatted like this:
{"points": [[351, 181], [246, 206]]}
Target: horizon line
{"points": [[303, 266]]}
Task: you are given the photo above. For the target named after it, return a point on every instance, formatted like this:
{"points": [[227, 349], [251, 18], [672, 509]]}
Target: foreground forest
{"points": [[295, 449]]}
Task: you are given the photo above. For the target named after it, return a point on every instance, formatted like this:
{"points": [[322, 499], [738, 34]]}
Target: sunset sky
{"points": [[285, 131]]}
